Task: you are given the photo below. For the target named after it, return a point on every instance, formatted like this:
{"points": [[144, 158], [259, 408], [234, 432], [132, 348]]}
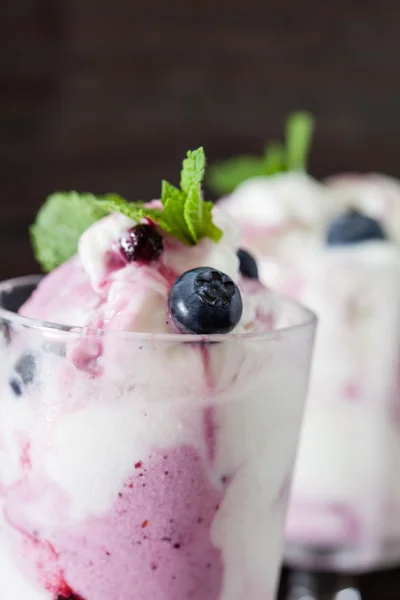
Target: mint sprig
{"points": [[193, 168], [224, 177], [185, 214], [59, 224], [299, 132], [66, 215]]}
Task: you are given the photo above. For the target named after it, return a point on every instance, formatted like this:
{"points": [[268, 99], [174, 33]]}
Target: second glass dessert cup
{"points": [[343, 517], [145, 466]]}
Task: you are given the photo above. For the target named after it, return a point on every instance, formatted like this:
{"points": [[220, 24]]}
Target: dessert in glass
{"points": [[151, 399], [335, 247]]}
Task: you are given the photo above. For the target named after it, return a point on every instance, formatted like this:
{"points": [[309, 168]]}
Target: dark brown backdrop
{"points": [[107, 95]]}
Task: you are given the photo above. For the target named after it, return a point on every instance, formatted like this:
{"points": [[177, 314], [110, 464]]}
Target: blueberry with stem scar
{"points": [[205, 301]]}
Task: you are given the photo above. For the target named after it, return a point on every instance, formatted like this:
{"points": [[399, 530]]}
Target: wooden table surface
{"points": [[107, 96]]}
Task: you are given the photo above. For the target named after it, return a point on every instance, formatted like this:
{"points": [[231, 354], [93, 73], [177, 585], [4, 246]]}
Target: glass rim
{"points": [[308, 320]]}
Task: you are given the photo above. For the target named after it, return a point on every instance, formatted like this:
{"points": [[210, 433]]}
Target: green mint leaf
{"points": [[224, 177], [299, 132], [274, 158], [209, 229], [170, 191], [198, 217], [173, 220], [59, 224], [193, 213], [193, 168], [170, 218], [185, 213], [66, 215], [134, 210]]}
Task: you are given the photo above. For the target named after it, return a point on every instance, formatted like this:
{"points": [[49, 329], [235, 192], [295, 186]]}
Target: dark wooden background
{"points": [[107, 95]]}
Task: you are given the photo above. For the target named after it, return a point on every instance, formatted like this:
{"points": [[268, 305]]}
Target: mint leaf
{"points": [[299, 132], [185, 213], [66, 215], [59, 224], [170, 191], [193, 168], [224, 177], [274, 158], [173, 221], [134, 210], [209, 229], [193, 213], [182, 214]]}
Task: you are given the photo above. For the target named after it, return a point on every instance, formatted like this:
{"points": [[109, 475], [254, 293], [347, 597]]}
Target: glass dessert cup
{"points": [[146, 466], [343, 517]]}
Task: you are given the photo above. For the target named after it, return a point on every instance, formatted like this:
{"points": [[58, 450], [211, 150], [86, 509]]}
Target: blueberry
{"points": [[353, 227], [24, 373], [205, 301], [247, 264], [142, 243]]}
